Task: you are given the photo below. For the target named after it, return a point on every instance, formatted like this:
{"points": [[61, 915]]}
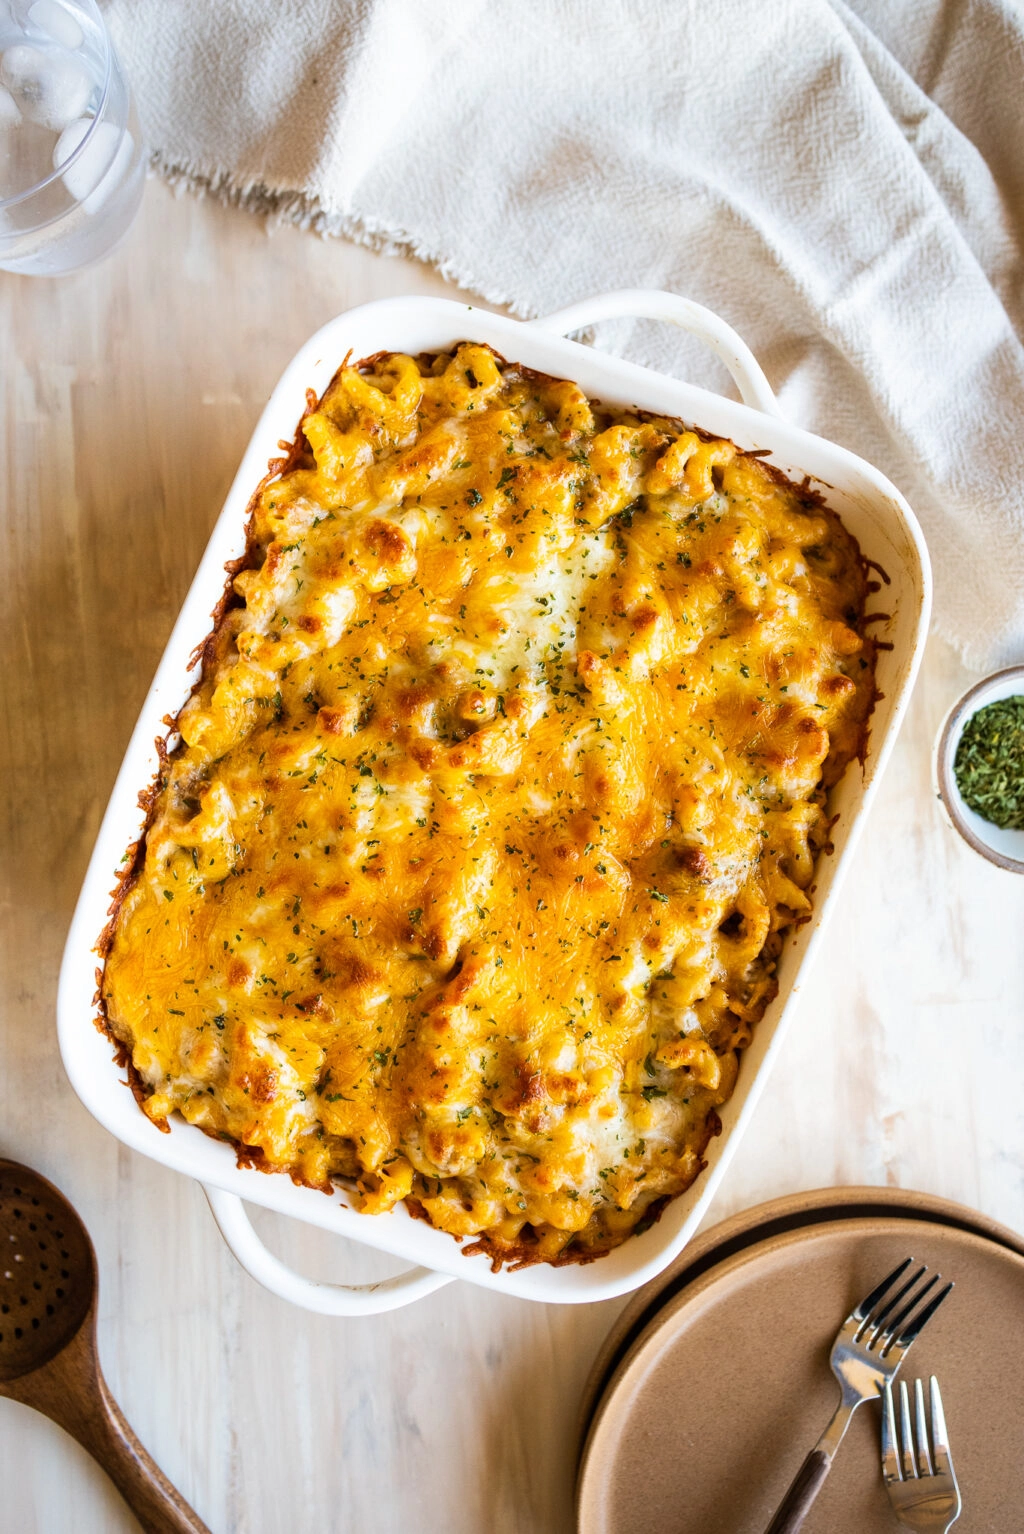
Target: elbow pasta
{"points": [[466, 879]]}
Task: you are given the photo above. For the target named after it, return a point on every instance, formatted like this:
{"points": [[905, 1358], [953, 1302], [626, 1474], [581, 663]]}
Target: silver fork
{"points": [[921, 1484], [872, 1343]]}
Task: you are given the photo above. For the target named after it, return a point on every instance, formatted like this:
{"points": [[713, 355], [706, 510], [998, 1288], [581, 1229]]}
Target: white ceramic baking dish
{"points": [[870, 507]]}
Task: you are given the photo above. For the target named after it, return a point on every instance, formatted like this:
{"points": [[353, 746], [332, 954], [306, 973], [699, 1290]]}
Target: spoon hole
{"points": [[18, 1333], [35, 1323], [60, 1294], [49, 1310]]}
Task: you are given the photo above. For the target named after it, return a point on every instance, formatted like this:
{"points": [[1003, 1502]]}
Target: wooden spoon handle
{"points": [[159, 1506], [71, 1390]]}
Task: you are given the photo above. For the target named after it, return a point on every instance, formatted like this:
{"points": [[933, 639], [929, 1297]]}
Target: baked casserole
{"points": [[472, 853]]}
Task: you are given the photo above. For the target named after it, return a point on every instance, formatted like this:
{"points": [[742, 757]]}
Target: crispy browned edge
{"points": [[134, 857], [522, 1253]]}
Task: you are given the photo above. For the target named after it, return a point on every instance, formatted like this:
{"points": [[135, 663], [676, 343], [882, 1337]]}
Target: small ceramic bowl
{"points": [[1005, 848]]}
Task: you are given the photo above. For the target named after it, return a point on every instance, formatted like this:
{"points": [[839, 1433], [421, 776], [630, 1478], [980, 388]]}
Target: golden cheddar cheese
{"points": [[473, 851]]}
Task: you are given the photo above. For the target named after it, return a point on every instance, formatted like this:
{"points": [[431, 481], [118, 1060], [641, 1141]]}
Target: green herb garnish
{"points": [[989, 765]]}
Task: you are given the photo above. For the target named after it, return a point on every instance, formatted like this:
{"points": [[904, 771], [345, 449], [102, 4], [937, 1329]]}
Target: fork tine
{"points": [[866, 1306], [906, 1436], [917, 1323], [924, 1459], [879, 1321], [891, 1328], [940, 1439], [890, 1457]]}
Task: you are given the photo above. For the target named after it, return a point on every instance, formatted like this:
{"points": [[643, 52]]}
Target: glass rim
{"points": [[92, 10]]}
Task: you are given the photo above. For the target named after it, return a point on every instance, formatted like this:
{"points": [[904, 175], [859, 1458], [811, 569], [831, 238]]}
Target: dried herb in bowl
{"points": [[989, 765]]}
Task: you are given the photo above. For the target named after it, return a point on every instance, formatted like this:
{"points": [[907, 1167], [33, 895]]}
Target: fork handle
{"points": [[796, 1504]]}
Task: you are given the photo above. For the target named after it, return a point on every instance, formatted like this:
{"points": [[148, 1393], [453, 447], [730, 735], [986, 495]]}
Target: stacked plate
{"points": [[715, 1381]]}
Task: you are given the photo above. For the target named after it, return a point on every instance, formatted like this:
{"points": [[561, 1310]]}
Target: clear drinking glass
{"points": [[71, 158]]}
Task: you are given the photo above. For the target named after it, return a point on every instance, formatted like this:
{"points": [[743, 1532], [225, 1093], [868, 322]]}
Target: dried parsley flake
{"points": [[989, 764]]}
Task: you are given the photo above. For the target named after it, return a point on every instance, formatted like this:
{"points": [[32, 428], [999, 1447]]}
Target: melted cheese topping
{"points": [[504, 777]]}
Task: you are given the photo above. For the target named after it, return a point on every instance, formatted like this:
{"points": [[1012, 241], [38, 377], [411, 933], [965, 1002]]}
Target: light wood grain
{"points": [[127, 395]]}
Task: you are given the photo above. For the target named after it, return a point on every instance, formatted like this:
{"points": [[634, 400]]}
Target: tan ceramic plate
{"points": [[793, 1212], [714, 1407]]}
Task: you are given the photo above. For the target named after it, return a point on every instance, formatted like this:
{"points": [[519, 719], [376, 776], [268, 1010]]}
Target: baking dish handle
{"points": [[650, 304], [326, 1299]]}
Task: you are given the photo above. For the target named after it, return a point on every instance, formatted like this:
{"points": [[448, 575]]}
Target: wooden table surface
{"points": [[128, 394]]}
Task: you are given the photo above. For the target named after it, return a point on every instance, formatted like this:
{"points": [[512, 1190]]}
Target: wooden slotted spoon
{"points": [[48, 1356]]}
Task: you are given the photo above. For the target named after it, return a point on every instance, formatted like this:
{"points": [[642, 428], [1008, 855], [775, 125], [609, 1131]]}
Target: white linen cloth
{"points": [[843, 182]]}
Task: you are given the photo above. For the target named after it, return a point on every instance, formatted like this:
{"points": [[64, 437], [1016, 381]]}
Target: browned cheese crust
{"points": [[502, 784]]}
